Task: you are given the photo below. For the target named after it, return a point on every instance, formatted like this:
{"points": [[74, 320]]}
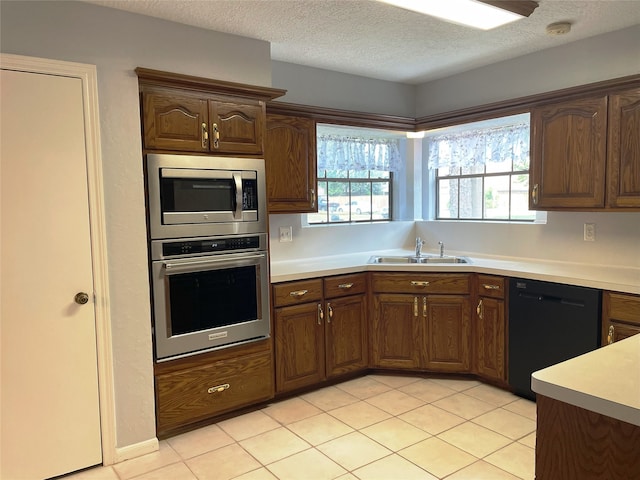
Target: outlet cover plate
{"points": [[286, 234]]}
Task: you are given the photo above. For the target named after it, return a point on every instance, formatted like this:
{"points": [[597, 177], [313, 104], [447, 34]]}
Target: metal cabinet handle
{"points": [[415, 306], [610, 335], [424, 307], [298, 293], [488, 286], [416, 283], [534, 194], [313, 198], [320, 314], [479, 309], [345, 286], [205, 135], [216, 135], [330, 310], [218, 388]]}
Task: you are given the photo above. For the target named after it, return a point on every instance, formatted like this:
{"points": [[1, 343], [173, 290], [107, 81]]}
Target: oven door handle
{"points": [[178, 267]]}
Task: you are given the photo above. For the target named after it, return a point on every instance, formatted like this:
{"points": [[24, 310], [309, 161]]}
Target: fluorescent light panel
{"points": [[463, 12]]}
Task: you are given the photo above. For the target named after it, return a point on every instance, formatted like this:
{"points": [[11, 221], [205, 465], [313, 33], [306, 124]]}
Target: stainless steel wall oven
{"points": [[209, 256], [209, 293]]}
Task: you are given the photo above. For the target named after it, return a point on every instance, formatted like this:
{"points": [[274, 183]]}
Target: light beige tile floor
{"points": [[378, 427]]}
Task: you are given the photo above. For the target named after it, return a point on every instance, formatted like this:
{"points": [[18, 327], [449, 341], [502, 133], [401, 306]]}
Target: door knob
{"points": [[81, 298]]}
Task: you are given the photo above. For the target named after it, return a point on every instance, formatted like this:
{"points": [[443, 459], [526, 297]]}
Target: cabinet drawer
{"points": [[621, 306], [186, 396], [293, 293], [490, 286], [420, 283], [343, 285]]}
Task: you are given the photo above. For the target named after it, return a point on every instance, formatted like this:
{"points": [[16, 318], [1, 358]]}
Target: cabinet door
{"points": [[568, 154], [396, 331], [490, 338], [236, 127], [346, 339], [623, 161], [299, 346], [174, 122], [290, 160], [446, 333]]}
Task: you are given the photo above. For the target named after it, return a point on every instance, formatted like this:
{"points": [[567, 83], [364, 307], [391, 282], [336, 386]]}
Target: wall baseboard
{"points": [[136, 450]]}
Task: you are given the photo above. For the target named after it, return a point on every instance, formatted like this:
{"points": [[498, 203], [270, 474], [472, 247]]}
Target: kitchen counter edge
{"points": [[620, 279]]}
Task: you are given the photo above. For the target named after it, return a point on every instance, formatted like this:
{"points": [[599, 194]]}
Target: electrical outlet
{"points": [[286, 234], [589, 232]]}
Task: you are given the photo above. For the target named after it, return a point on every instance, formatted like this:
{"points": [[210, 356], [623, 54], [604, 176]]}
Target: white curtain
{"points": [[336, 152], [477, 147]]}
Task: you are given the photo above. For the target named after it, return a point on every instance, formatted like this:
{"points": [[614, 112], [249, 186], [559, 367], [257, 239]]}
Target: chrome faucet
{"points": [[441, 249], [419, 244]]}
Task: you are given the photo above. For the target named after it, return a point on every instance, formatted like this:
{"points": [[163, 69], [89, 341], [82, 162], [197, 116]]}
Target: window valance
{"points": [[479, 146], [336, 152]]}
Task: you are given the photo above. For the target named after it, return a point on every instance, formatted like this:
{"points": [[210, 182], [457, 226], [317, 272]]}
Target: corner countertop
{"points": [[605, 381], [621, 279]]}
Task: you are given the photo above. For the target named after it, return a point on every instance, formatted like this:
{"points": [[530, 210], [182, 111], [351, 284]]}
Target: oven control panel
{"points": [[206, 245]]}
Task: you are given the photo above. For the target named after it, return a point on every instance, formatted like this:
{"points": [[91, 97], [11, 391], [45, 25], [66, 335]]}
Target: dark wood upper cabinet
{"points": [[568, 154], [623, 160], [290, 160], [585, 153], [192, 114]]}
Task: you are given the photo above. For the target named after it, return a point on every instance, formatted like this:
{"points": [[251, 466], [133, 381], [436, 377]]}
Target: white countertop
{"points": [[619, 279], [605, 381]]}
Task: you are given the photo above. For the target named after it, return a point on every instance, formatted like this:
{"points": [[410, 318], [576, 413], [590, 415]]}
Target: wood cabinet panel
{"points": [[299, 346], [346, 339], [575, 443], [290, 161], [447, 338], [345, 285], [623, 160], [420, 283], [237, 127], [620, 316], [568, 154], [188, 395], [174, 121], [298, 292], [490, 338], [396, 331], [490, 286]]}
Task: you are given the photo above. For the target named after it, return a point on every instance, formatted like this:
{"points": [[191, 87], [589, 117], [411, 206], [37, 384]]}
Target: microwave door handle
{"points": [[237, 210], [182, 267]]}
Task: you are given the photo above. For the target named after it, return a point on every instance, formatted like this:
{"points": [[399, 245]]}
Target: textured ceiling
{"points": [[364, 37]]}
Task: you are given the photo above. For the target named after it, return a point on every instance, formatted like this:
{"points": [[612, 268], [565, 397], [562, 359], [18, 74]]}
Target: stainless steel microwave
{"points": [[191, 196]]}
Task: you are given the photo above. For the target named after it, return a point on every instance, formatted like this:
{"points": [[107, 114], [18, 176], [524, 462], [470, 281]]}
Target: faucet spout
{"points": [[419, 244]]}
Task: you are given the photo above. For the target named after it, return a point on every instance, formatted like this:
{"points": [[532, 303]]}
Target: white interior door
{"points": [[50, 416]]}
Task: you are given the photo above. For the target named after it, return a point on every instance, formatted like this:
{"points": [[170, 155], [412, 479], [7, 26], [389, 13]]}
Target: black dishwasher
{"points": [[548, 324]]}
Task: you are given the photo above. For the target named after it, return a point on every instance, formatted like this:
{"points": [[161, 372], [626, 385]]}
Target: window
{"points": [[355, 175], [482, 170]]}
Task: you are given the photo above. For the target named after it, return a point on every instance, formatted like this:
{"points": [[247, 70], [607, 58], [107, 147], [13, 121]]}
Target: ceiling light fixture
{"points": [[482, 14]]}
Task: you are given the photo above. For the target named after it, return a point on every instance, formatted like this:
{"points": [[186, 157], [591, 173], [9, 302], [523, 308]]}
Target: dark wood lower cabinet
{"points": [[447, 333], [203, 386], [320, 330], [574, 443], [395, 331]]}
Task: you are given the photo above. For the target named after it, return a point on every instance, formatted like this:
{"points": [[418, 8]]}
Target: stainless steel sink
{"points": [[422, 259]]}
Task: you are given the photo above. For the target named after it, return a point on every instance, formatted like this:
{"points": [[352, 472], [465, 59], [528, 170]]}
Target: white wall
{"points": [[612, 55], [117, 42], [323, 88]]}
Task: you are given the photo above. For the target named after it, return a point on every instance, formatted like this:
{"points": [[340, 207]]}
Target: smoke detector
{"points": [[558, 28]]}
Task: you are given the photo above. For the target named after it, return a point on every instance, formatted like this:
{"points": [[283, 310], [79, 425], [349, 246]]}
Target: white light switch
{"points": [[286, 234]]}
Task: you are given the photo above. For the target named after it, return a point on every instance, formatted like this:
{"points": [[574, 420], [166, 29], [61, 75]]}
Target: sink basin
{"points": [[422, 259]]}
